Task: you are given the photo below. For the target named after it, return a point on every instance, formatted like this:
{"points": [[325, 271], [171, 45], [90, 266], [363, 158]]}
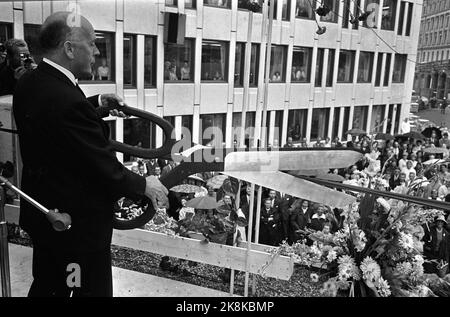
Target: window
{"points": [[376, 124], [278, 63], [171, 2], [239, 65], [129, 62], [330, 67], [138, 132], [186, 124], [212, 129], [408, 19], [399, 68], [218, 3], [179, 61], [387, 69], [304, 9], [301, 64], [319, 67], [365, 67], [249, 129], [150, 61], [275, 8], [190, 4], [360, 117], [297, 124], [214, 61], [347, 15], [31, 34], [378, 73], [5, 32], [345, 122], [372, 6], [254, 62], [346, 66], [319, 123], [388, 15], [397, 119], [286, 10], [104, 63], [278, 127], [336, 119], [332, 16]]}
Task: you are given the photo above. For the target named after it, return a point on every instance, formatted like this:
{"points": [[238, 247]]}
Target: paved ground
{"points": [[126, 283], [435, 116]]}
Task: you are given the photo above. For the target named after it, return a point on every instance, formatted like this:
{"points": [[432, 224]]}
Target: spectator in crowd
{"points": [[436, 246], [403, 160], [103, 72], [299, 218], [151, 164], [445, 141], [270, 226], [18, 62], [185, 71], [408, 169], [289, 142], [318, 219]]}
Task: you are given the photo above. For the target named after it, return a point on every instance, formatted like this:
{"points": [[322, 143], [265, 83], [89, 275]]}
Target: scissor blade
{"points": [[296, 187], [257, 161]]}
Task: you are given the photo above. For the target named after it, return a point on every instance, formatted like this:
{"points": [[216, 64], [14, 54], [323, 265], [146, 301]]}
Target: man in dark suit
{"points": [[69, 165], [395, 179], [270, 225]]}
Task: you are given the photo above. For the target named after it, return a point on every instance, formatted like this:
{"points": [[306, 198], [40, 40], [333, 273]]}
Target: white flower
{"points": [[314, 277], [371, 271], [406, 241], [383, 287], [419, 259], [332, 255], [347, 268]]}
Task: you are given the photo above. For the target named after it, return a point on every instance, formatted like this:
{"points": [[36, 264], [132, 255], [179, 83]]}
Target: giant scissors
{"points": [[271, 169]]}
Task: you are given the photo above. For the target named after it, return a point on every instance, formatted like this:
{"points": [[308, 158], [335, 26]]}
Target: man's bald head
{"points": [[59, 28]]}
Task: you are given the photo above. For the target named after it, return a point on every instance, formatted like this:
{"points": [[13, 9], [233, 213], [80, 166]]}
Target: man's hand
{"points": [[112, 100], [157, 192]]}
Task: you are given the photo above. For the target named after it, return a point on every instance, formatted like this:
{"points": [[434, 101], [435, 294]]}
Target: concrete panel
{"points": [[191, 25], [257, 26], [238, 99], [276, 95], [368, 40], [276, 33], [349, 38], [60, 6], [344, 94], [397, 91], [362, 93], [131, 98], [178, 99], [95, 89], [141, 16], [32, 12], [213, 98], [378, 96], [150, 100], [319, 98], [329, 38], [101, 14], [299, 97], [242, 25], [304, 33], [18, 5], [212, 18], [253, 101]]}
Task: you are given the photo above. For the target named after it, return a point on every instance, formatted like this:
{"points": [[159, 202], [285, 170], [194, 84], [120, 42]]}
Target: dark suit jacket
{"points": [[7, 81], [68, 163]]}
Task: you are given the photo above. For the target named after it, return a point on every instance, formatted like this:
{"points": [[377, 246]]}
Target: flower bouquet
{"points": [[377, 252]]}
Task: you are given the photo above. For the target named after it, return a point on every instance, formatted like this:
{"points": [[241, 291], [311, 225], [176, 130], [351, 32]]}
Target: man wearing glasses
{"points": [[18, 61]]}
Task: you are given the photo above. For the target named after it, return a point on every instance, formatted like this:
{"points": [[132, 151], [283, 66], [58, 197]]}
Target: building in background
{"points": [[433, 55], [352, 76]]}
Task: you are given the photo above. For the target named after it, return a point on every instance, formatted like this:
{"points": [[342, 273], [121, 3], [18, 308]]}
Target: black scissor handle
{"points": [[160, 152]]}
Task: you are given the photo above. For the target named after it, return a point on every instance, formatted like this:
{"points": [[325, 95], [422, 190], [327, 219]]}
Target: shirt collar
{"points": [[63, 70], [316, 216]]}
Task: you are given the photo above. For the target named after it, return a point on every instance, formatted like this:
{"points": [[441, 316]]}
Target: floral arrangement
{"points": [[377, 252]]}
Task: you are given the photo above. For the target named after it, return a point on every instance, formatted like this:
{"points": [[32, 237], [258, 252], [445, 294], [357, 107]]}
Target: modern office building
{"points": [[433, 55], [204, 65]]}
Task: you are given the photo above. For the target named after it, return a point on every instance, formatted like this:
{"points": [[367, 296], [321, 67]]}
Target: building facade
{"points": [[433, 55], [353, 76]]}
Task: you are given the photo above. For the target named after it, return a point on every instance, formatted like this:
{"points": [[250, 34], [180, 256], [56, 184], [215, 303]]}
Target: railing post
{"points": [[4, 252]]}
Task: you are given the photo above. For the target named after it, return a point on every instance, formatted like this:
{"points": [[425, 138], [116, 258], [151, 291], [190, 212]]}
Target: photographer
{"points": [[18, 61]]}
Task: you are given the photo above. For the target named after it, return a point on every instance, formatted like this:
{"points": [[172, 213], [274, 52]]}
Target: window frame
{"points": [[153, 61], [308, 67], [191, 61], [352, 54], [226, 65], [133, 42], [206, 4], [371, 59]]}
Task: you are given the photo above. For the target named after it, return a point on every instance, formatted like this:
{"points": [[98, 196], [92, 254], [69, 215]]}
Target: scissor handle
{"points": [[167, 128]]}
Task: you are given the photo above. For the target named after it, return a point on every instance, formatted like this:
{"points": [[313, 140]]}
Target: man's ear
{"points": [[69, 50]]}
